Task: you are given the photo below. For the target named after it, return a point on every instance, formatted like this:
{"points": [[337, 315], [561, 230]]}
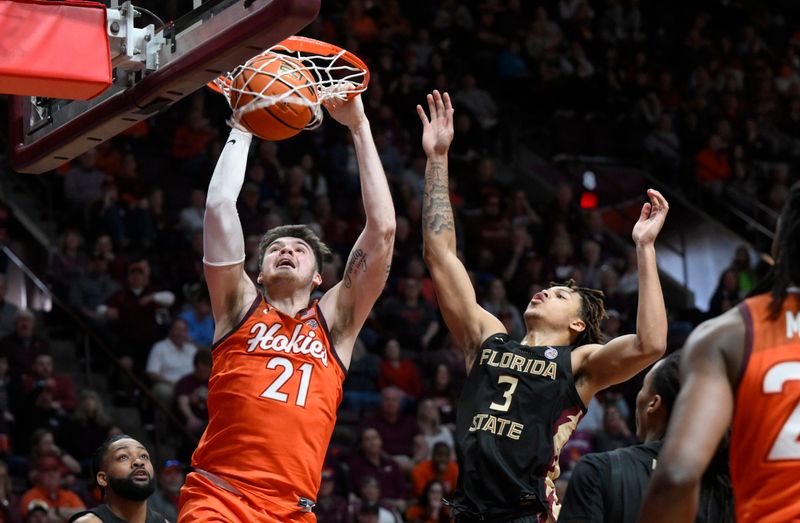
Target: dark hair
{"points": [[423, 498], [786, 271], [666, 380], [592, 311], [202, 356], [100, 455], [303, 232]]}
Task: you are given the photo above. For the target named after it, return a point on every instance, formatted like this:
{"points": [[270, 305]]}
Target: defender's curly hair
{"points": [[592, 311]]}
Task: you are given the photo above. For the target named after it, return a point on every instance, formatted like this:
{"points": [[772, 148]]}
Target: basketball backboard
{"points": [[196, 48]]}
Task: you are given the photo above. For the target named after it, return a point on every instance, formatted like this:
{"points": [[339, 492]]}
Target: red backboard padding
{"points": [[54, 49]]}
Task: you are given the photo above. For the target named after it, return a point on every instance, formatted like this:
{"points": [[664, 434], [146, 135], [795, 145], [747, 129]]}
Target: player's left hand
{"points": [[349, 113], [651, 219]]}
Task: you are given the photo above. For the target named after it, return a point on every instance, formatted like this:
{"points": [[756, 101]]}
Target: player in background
{"points": [[741, 370], [523, 399], [278, 360], [608, 487], [125, 474]]}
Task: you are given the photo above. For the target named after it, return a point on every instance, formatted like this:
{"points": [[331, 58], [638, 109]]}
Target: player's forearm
{"points": [[669, 499], [378, 204], [223, 241], [438, 225], [651, 316]]}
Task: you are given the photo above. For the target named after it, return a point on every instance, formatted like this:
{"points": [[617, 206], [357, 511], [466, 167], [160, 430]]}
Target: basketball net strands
{"points": [[333, 73], [151, 67]]}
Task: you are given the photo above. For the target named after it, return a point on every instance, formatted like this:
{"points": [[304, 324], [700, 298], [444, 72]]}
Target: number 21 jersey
{"points": [[275, 385]]}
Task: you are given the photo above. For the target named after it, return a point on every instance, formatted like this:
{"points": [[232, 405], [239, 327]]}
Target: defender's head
{"points": [[122, 466], [578, 310], [291, 253], [657, 396]]}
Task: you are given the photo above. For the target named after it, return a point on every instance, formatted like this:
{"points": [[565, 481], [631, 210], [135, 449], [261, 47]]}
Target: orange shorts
{"points": [[202, 500]]}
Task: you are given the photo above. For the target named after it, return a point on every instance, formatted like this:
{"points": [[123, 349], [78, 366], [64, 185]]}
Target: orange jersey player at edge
{"points": [[741, 370], [278, 360]]}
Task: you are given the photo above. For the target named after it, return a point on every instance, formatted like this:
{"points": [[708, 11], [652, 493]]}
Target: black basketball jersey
{"points": [[105, 514], [518, 408]]}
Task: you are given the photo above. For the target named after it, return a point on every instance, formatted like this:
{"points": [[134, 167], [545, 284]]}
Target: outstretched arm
{"points": [[230, 289], [622, 358], [348, 303], [468, 322], [701, 416]]}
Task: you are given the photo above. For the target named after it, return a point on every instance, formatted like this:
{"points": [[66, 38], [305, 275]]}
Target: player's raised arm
{"points": [[702, 415], [230, 289], [467, 321], [600, 366], [349, 302]]}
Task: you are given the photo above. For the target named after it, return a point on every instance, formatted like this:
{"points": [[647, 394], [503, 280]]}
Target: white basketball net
{"points": [[333, 77]]}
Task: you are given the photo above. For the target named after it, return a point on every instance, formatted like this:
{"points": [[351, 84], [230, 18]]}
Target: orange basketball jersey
{"points": [[275, 385], [765, 439]]}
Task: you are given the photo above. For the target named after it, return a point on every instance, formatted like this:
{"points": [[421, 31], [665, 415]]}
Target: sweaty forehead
{"points": [[125, 444]]}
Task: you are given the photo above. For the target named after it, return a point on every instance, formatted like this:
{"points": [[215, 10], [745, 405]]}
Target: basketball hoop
{"points": [[336, 73]]}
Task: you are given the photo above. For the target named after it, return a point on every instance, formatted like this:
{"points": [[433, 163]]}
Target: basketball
{"points": [[273, 74]]}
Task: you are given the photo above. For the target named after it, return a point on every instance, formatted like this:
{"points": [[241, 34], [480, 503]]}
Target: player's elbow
{"points": [[675, 477], [651, 348]]}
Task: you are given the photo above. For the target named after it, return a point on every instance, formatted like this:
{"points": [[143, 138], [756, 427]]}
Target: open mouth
{"points": [[141, 474], [537, 298], [286, 263]]}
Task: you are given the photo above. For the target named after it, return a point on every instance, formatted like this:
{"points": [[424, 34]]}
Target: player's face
{"points": [[289, 259], [128, 470], [644, 402], [558, 306]]}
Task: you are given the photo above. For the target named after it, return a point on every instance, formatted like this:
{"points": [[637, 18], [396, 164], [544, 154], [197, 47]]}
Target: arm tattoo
{"points": [[358, 261], [437, 214]]}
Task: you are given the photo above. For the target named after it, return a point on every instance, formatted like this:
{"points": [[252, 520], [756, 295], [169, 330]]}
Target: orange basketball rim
{"points": [[323, 59]]}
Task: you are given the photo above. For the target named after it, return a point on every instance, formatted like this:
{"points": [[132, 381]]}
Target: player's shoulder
{"points": [[721, 333]]}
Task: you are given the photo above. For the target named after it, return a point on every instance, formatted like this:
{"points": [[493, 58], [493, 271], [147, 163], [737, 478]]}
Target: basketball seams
{"points": [[264, 76]]}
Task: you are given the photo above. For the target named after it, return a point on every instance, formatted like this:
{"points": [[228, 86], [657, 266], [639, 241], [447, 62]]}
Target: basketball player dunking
{"points": [[741, 370], [279, 361], [523, 399]]}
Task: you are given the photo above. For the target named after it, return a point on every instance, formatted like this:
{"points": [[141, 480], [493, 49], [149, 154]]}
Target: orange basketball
{"points": [[274, 74]]}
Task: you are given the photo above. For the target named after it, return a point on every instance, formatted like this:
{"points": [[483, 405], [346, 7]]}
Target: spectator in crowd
{"points": [[370, 494], [330, 508], [60, 387], [410, 320], [361, 384], [744, 270], [396, 429], [429, 508], [371, 462], [87, 428], [69, 262], [396, 371], [9, 501], [170, 359], [90, 292], [8, 311], [61, 504], [616, 433], [43, 445], [165, 499], [199, 319], [497, 303], [726, 295], [21, 346], [191, 217], [83, 183], [429, 422], [443, 391], [9, 389], [191, 393], [440, 467]]}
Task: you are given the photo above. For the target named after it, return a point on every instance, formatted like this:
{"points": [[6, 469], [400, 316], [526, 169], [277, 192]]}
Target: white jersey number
{"points": [[274, 392], [787, 444], [512, 381]]}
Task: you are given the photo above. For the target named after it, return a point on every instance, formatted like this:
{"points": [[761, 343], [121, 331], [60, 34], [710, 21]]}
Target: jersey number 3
{"points": [[787, 444], [274, 392], [512, 381]]}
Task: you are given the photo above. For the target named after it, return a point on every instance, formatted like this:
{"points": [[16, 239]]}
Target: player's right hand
{"points": [[437, 133]]}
